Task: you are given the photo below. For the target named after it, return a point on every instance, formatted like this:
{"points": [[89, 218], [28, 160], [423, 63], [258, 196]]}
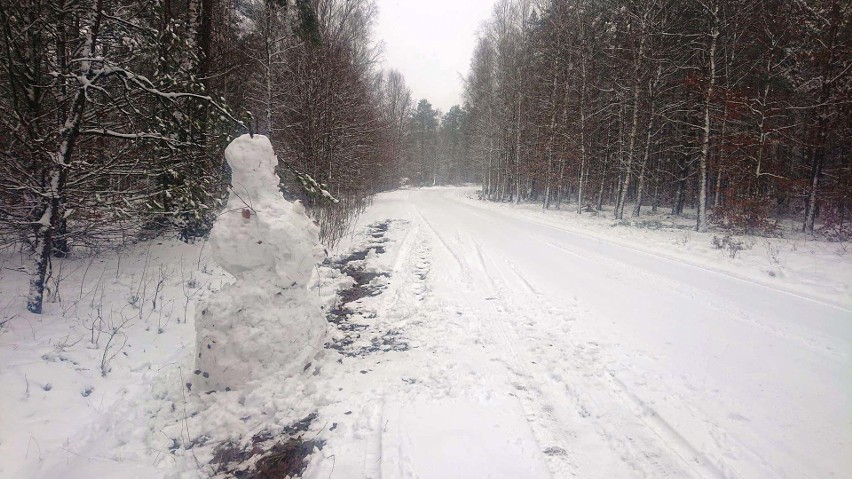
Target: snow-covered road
{"points": [[550, 353]]}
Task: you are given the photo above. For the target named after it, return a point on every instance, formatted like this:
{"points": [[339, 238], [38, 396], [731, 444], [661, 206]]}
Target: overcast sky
{"points": [[431, 42]]}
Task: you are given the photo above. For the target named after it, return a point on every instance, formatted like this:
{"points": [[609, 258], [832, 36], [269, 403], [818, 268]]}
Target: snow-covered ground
{"points": [[491, 341], [76, 378]]}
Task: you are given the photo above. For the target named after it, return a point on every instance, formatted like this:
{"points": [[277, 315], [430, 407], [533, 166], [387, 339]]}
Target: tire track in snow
{"points": [[504, 345], [721, 305], [479, 209], [816, 344], [716, 462], [548, 423], [727, 444], [561, 414], [650, 461], [440, 239], [552, 434]]}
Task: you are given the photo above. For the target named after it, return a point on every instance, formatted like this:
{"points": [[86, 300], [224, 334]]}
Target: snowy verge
{"points": [[116, 327], [99, 385]]}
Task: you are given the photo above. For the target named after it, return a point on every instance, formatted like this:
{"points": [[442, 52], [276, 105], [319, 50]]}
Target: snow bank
{"points": [[266, 321]]}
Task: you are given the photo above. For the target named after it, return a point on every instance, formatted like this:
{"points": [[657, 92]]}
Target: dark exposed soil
{"points": [[278, 454], [344, 314], [282, 454]]}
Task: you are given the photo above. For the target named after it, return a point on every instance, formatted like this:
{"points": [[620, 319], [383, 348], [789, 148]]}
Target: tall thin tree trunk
{"points": [[655, 201], [634, 123], [819, 150], [599, 205], [640, 187], [701, 220], [551, 138], [560, 179], [582, 106], [270, 87], [518, 152], [53, 183], [44, 243], [717, 198]]}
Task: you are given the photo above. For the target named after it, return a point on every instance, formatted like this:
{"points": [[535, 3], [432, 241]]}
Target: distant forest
{"points": [[114, 113]]}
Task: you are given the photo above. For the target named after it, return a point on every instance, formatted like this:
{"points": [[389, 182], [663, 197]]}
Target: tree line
{"points": [[739, 109]]}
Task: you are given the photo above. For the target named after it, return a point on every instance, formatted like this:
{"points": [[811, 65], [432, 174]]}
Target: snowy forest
{"points": [[236, 240], [115, 114], [739, 109]]}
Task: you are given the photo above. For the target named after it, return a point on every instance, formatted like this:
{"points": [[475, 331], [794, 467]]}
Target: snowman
{"points": [[267, 320]]}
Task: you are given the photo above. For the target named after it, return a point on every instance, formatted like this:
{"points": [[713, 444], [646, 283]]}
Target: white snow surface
{"points": [[538, 344], [266, 321]]}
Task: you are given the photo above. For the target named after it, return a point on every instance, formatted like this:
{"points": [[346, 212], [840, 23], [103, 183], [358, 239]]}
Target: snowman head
{"points": [[252, 163]]}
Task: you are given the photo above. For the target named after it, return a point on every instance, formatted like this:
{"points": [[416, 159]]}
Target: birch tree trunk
{"points": [[582, 107], [53, 182], [548, 178], [622, 197], [701, 220], [640, 187]]}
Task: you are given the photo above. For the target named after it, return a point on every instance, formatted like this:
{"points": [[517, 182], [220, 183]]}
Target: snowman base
{"points": [[248, 331]]}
